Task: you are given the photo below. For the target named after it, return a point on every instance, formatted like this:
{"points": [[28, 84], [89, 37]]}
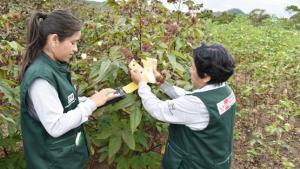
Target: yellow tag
{"points": [[135, 66], [146, 72], [148, 69], [131, 87]]}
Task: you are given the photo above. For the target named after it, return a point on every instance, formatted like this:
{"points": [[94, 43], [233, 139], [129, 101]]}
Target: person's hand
{"points": [[159, 77], [101, 97], [136, 76]]}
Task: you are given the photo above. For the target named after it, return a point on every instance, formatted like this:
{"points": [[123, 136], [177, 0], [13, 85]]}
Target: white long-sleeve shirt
{"points": [[182, 109], [45, 106]]}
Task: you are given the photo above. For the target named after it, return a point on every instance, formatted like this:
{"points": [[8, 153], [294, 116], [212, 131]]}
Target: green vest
{"points": [[210, 148], [43, 151]]}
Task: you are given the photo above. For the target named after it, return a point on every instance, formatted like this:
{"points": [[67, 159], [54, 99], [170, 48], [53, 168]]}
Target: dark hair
{"points": [[214, 61], [39, 26]]}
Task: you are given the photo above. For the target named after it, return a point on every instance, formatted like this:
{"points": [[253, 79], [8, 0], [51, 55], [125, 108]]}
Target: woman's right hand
{"points": [[101, 97]]}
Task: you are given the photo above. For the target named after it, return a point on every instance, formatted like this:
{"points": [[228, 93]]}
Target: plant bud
{"points": [[146, 47], [83, 56], [194, 20], [172, 28], [126, 53], [144, 22], [100, 43]]}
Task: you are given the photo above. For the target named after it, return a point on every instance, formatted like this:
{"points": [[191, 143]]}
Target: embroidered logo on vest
{"points": [[71, 99], [226, 104]]}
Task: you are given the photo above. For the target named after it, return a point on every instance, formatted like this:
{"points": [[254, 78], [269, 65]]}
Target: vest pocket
{"points": [[70, 143], [175, 158], [225, 164], [66, 153]]}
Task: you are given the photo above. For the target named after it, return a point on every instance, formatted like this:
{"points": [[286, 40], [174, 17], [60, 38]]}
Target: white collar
{"points": [[209, 87]]}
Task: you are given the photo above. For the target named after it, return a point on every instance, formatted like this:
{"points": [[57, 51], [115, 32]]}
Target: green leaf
{"points": [[175, 65], [115, 51], [5, 88], [123, 163], [197, 33], [114, 145], [120, 64], [104, 69], [172, 60], [128, 139], [101, 73], [178, 44], [81, 88], [163, 45], [180, 68], [137, 162], [7, 118], [135, 118], [141, 138], [112, 3], [180, 55], [152, 159], [15, 46], [102, 157], [104, 134], [11, 128], [121, 21], [12, 94]]}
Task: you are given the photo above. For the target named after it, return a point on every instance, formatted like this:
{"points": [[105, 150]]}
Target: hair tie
{"points": [[42, 17]]}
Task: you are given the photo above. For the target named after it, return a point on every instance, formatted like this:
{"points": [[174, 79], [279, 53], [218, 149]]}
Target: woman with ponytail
{"points": [[52, 114]]}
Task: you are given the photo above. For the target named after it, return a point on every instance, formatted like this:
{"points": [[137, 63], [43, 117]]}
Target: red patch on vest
{"points": [[226, 104]]}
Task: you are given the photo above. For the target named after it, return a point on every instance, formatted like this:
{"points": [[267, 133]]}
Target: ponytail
{"points": [[35, 41]]}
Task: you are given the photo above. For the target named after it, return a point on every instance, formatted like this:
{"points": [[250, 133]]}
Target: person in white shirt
{"points": [[52, 114], [200, 120]]}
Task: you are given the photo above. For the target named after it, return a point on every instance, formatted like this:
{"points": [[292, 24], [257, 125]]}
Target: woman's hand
{"points": [[136, 76], [159, 77], [101, 97]]}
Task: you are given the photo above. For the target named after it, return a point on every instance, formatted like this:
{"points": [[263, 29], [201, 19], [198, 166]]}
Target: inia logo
{"points": [[70, 98]]}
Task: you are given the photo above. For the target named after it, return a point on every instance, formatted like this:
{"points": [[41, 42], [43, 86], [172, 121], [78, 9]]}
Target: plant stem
{"points": [[5, 152], [140, 32], [178, 12]]}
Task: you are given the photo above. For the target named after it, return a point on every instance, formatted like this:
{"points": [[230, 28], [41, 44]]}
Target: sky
{"points": [[273, 7]]}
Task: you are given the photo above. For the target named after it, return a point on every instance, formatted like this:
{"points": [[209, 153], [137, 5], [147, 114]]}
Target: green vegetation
{"points": [[266, 82], [267, 86]]}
